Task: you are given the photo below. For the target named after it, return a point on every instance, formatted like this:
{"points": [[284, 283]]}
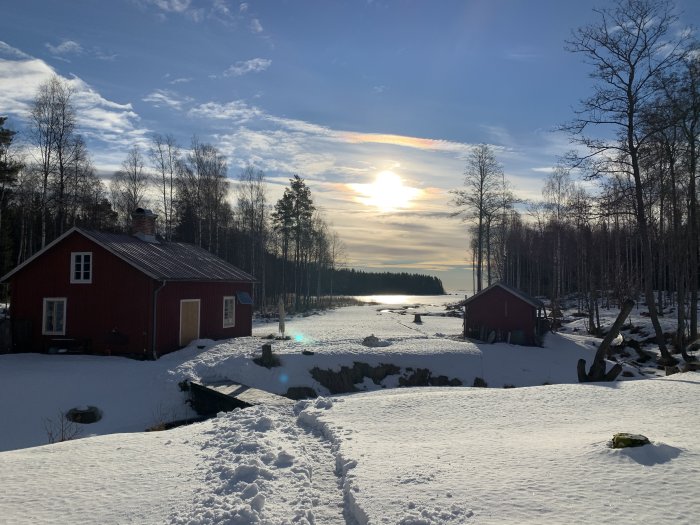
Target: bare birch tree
{"points": [[479, 199], [129, 185], [51, 128], [165, 156], [558, 190], [252, 214], [202, 191]]}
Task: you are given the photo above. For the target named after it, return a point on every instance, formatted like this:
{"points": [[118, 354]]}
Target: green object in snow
{"points": [[626, 440]]}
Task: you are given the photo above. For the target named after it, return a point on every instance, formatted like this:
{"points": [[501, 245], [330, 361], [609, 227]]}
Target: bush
{"points": [[479, 382], [61, 429]]}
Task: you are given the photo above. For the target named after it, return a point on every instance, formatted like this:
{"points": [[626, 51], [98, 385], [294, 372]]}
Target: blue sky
{"points": [[336, 91]]}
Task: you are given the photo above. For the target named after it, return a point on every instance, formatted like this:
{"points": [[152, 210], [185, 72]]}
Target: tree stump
{"points": [[267, 354], [268, 359]]}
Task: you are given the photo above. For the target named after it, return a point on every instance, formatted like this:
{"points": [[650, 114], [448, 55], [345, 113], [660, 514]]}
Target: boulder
{"points": [[370, 341], [626, 440], [84, 415]]}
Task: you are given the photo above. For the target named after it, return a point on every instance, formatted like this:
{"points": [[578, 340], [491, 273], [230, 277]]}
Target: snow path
{"points": [[260, 466]]}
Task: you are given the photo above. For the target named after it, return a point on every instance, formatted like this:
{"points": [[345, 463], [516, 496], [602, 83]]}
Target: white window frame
{"points": [[73, 260], [231, 322], [44, 317]]}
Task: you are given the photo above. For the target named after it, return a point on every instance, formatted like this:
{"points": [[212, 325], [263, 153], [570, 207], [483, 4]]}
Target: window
{"points": [[54, 322], [81, 267], [229, 312]]}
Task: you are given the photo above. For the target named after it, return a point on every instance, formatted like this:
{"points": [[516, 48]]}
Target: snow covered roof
{"points": [[164, 261], [514, 291]]}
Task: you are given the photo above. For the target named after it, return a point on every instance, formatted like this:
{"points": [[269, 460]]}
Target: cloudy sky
{"points": [[375, 103]]}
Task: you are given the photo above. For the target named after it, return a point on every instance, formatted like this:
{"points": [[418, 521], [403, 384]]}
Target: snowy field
{"points": [[411, 456]]}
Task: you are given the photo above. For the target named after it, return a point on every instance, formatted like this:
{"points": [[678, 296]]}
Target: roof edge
{"points": [[513, 291], [119, 256], [86, 234], [53, 243]]}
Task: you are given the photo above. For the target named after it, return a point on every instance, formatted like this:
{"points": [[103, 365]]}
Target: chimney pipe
{"points": [[143, 224]]}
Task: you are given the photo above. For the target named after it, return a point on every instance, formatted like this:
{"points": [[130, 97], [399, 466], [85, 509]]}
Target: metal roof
{"points": [[514, 291], [169, 261], [164, 261]]}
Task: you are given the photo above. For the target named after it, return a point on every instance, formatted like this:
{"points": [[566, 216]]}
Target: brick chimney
{"points": [[143, 224]]}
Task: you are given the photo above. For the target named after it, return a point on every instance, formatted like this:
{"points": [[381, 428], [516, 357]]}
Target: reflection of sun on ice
{"points": [[387, 192]]}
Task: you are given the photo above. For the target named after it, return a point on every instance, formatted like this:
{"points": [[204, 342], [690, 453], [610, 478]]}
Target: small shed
{"points": [[504, 313], [115, 294]]}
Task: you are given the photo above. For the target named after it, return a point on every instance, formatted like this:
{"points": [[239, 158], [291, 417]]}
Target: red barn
{"points": [[116, 294], [503, 313]]}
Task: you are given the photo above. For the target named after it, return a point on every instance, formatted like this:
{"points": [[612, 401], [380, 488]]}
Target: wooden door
{"points": [[189, 321]]}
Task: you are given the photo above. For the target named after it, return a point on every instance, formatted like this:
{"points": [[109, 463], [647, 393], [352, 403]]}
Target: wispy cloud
{"points": [[181, 80], [237, 111], [113, 123], [255, 26], [20, 80], [221, 7], [243, 7], [66, 47], [104, 119], [522, 54], [254, 65], [167, 98], [170, 6], [197, 12], [7, 51], [240, 111]]}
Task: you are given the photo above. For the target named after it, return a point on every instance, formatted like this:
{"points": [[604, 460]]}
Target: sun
{"points": [[387, 192]]}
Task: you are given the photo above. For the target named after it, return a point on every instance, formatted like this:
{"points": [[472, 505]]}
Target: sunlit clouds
{"points": [[409, 142], [386, 193]]}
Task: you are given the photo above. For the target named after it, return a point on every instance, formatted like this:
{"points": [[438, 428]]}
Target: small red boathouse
{"points": [[503, 313]]}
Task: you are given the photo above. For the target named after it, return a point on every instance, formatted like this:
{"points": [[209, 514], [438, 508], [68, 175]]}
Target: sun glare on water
{"points": [[386, 193]]}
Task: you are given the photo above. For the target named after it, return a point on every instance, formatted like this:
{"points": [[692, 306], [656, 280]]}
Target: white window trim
{"points": [[223, 311], [73, 280], [43, 315]]}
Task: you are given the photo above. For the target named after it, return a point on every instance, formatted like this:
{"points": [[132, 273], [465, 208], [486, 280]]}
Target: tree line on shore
{"points": [[628, 227], [355, 282]]}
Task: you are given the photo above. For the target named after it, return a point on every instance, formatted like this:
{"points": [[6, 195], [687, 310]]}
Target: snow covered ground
{"points": [[417, 456]]}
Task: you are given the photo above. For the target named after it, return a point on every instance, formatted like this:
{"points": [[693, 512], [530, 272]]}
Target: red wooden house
{"points": [[503, 313], [118, 294]]}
